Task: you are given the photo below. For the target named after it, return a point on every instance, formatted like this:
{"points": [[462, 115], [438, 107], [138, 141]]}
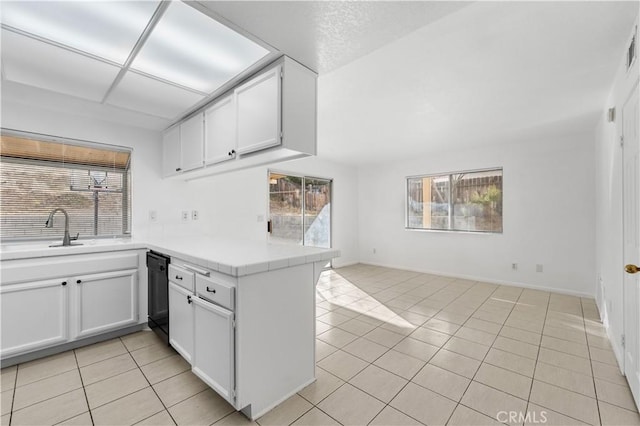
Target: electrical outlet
{"points": [[514, 266], [185, 215], [194, 214], [153, 215], [539, 267]]}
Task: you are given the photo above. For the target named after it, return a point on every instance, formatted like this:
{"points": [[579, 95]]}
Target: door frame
{"points": [[302, 176]]}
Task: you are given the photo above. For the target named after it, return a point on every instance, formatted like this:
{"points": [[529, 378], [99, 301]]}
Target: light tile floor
{"points": [[393, 348]]}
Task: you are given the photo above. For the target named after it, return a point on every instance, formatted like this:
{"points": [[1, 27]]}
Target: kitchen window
{"points": [[92, 182], [468, 201]]}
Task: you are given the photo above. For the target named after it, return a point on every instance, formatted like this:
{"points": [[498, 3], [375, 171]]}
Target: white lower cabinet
{"points": [[34, 316], [181, 321], [213, 359], [54, 300], [106, 301]]}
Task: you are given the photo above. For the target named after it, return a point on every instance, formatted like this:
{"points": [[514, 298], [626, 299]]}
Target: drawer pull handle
{"points": [[197, 270], [178, 277], [64, 283], [189, 299], [211, 290], [79, 281]]}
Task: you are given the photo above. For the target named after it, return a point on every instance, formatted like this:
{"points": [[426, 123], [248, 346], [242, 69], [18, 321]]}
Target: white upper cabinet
{"points": [[272, 116], [192, 143], [258, 108], [220, 131], [171, 163]]}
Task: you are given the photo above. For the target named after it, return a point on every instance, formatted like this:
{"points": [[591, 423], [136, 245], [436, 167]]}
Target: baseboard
{"points": [[19, 359], [484, 279], [345, 264], [253, 416]]}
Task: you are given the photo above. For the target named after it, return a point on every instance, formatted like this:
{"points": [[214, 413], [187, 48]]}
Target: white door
{"points": [[258, 112], [191, 142], [171, 152], [631, 179], [220, 131], [106, 301], [181, 321], [213, 359], [34, 316]]}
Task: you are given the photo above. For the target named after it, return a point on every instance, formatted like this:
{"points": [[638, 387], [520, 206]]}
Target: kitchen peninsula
{"points": [[244, 310]]}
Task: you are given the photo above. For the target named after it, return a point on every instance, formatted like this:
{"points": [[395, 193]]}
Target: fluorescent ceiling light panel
{"points": [[42, 65], [191, 49], [108, 30], [144, 94]]}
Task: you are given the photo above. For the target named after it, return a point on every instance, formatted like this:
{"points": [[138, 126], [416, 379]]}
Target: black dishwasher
{"points": [[158, 294]]}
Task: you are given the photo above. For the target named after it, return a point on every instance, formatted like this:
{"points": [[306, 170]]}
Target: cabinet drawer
{"points": [[181, 277], [215, 291]]}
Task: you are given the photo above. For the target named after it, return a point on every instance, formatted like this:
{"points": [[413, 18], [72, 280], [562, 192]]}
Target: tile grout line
{"points": [[386, 404], [440, 347], [150, 385], [84, 390], [13, 396], [535, 366], [485, 356], [593, 377], [547, 304]]}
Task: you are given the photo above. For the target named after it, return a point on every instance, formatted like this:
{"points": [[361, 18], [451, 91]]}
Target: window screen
{"points": [[91, 182]]}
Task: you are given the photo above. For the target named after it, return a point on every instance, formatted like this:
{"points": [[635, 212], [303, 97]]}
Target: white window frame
{"points": [[455, 231]]}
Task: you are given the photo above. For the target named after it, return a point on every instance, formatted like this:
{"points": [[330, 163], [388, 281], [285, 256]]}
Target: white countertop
{"points": [[229, 256]]}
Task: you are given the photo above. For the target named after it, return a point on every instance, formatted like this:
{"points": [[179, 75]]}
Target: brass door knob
{"points": [[631, 269]]}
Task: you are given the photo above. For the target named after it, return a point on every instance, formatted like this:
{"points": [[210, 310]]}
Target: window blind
{"points": [[91, 183]]}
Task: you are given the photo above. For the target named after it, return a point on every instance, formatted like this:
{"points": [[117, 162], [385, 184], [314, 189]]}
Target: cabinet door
{"points": [[213, 359], [191, 142], [220, 131], [181, 321], [258, 112], [106, 301], [34, 316], [171, 152]]}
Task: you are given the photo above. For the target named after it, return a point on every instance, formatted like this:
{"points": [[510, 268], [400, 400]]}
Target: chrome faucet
{"points": [[66, 240]]}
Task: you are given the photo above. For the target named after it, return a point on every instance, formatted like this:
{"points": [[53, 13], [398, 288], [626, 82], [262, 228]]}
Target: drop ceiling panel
{"points": [[154, 97], [105, 29], [191, 49], [42, 65]]}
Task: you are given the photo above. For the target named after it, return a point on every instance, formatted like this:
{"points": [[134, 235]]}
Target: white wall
{"points": [[548, 216], [609, 243], [228, 204], [231, 203]]}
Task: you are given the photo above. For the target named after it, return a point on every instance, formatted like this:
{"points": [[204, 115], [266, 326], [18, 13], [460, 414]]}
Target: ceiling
{"points": [[492, 73], [325, 35], [151, 57], [399, 79]]}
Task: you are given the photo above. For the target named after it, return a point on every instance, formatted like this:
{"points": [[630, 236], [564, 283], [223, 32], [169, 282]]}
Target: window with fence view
{"points": [[300, 209], [91, 183], [462, 201]]}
